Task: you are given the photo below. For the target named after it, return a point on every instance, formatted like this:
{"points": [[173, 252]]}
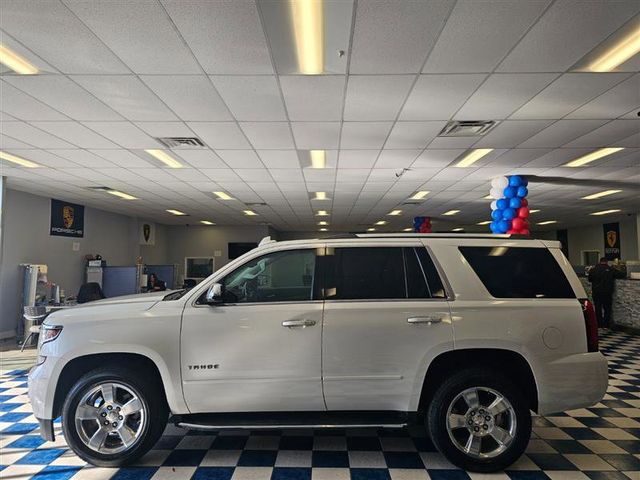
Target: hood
{"points": [[137, 298]]}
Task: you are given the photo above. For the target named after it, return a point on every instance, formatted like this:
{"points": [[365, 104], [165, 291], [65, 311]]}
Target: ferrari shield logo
{"points": [[146, 231], [612, 238], [67, 216]]}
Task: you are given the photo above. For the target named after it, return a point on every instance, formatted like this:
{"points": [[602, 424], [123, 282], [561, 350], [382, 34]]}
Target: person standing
{"points": [[602, 278]]}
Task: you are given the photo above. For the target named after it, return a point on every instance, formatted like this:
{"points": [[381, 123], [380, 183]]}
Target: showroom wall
{"points": [[28, 241], [591, 237]]}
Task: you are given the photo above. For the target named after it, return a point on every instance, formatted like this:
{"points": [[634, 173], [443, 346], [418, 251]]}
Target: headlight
{"points": [[48, 333]]}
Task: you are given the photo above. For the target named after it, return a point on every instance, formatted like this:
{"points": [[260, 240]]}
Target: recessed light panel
{"points": [[595, 196], [18, 160], [164, 157], [606, 212], [15, 62], [451, 212], [223, 196], [473, 156], [593, 156], [176, 212]]}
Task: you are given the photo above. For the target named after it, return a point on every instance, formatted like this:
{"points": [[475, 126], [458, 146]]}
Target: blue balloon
{"points": [[525, 182], [515, 180], [494, 227], [497, 214], [503, 226], [515, 202], [502, 203], [509, 214], [510, 192], [522, 192]]}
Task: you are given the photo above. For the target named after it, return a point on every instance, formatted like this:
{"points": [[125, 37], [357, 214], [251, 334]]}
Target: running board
{"points": [[281, 420]]}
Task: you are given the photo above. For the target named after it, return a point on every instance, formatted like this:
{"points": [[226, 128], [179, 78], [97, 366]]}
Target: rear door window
{"points": [[518, 272]]}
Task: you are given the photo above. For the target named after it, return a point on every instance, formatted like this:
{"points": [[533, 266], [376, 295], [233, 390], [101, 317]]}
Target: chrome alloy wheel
{"points": [[110, 418], [481, 422]]}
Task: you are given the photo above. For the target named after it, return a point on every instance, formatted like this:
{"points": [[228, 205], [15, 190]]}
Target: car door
{"points": [[386, 317], [259, 350]]}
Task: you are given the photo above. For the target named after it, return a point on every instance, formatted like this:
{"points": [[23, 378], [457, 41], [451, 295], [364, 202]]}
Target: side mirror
{"points": [[214, 294]]}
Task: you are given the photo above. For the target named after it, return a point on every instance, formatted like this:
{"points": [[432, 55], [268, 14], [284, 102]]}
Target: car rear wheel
{"points": [[479, 421], [112, 417]]}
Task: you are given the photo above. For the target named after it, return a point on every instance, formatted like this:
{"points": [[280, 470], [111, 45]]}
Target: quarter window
{"points": [[284, 276]]}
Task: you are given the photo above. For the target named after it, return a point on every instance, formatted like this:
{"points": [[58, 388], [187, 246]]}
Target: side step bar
{"points": [[281, 420]]}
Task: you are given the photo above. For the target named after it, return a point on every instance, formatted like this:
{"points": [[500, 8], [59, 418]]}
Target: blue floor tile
{"points": [[403, 460], [185, 458], [41, 457], [134, 473], [54, 472], [330, 459], [291, 473], [213, 473], [258, 458], [370, 474]]}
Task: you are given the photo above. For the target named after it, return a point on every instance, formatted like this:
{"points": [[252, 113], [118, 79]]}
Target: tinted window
{"points": [[284, 276], [514, 272], [379, 273]]}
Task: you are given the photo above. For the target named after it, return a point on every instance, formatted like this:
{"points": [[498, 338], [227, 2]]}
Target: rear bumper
{"points": [[46, 429], [576, 381]]}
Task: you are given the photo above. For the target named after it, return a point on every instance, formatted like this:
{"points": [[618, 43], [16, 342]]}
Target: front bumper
{"points": [[46, 429]]}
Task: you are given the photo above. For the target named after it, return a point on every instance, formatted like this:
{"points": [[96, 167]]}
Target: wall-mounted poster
{"points": [[611, 240], [67, 219], [147, 233]]}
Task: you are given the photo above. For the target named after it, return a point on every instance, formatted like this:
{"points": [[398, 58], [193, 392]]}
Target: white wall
{"points": [[591, 237], [27, 240]]}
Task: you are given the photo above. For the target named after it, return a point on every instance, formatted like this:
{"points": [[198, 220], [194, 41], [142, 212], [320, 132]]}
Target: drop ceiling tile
{"points": [[165, 129], [438, 97], [225, 135], [397, 159], [24, 107], [630, 141], [279, 159], [567, 93], [84, 158], [44, 158], [607, 135], [510, 133], [124, 134], [560, 133], [364, 135], [75, 133], [478, 35], [190, 97], [59, 37], [221, 175], [437, 158], [501, 94], [395, 37], [557, 157], [613, 103], [518, 156], [287, 174], [123, 158], [255, 97], [240, 158], [316, 135], [130, 31], [376, 97], [413, 134], [313, 97], [9, 142], [26, 133], [268, 135], [202, 158], [226, 37], [357, 159], [554, 44], [63, 95], [452, 142]]}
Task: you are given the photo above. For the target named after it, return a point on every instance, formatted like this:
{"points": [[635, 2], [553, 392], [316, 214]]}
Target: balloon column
{"points": [[510, 209], [422, 225]]}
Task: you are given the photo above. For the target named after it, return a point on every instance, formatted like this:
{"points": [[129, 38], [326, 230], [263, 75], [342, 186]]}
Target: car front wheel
{"points": [[479, 421]]}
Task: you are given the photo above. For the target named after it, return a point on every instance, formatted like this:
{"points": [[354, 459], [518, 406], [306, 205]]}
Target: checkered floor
{"points": [[599, 443]]}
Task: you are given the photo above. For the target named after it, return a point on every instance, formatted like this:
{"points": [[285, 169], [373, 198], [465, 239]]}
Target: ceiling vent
{"points": [[181, 142], [467, 128]]}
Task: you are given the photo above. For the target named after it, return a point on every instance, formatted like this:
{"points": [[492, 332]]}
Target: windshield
{"points": [[175, 295]]}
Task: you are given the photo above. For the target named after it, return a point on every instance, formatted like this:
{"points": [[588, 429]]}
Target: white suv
{"points": [[467, 333]]}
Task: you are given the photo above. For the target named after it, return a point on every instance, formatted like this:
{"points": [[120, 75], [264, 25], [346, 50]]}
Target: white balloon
{"points": [[496, 193], [500, 182], [494, 205]]}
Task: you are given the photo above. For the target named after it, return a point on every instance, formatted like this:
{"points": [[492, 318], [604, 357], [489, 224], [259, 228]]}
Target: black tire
{"points": [[150, 394], [437, 413]]}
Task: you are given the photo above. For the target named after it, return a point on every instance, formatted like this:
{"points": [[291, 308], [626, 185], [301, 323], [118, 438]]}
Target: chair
{"points": [[89, 292]]}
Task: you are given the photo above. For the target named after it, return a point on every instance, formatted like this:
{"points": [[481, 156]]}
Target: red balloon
{"points": [[523, 212], [517, 224], [524, 231], [512, 231], [524, 203], [525, 223]]}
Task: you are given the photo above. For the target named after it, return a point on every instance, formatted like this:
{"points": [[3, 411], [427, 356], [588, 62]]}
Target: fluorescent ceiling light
{"points": [[473, 156], [318, 158], [250, 213], [223, 196], [606, 212], [320, 196], [322, 213], [419, 195], [371, 229], [593, 196], [534, 211], [15, 62], [618, 54], [164, 157], [323, 223], [207, 222], [308, 30], [395, 212], [175, 212], [488, 197], [380, 222], [408, 229], [323, 229], [486, 222], [548, 222], [124, 196], [451, 212], [590, 157], [459, 229], [17, 160]]}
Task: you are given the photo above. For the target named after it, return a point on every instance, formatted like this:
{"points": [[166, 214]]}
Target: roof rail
{"points": [[266, 240]]}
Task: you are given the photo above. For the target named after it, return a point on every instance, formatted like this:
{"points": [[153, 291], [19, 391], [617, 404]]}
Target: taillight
{"points": [[590, 323]]}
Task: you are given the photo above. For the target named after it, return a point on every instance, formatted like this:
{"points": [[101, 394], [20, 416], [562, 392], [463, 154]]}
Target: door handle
{"points": [[298, 323], [428, 320]]}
